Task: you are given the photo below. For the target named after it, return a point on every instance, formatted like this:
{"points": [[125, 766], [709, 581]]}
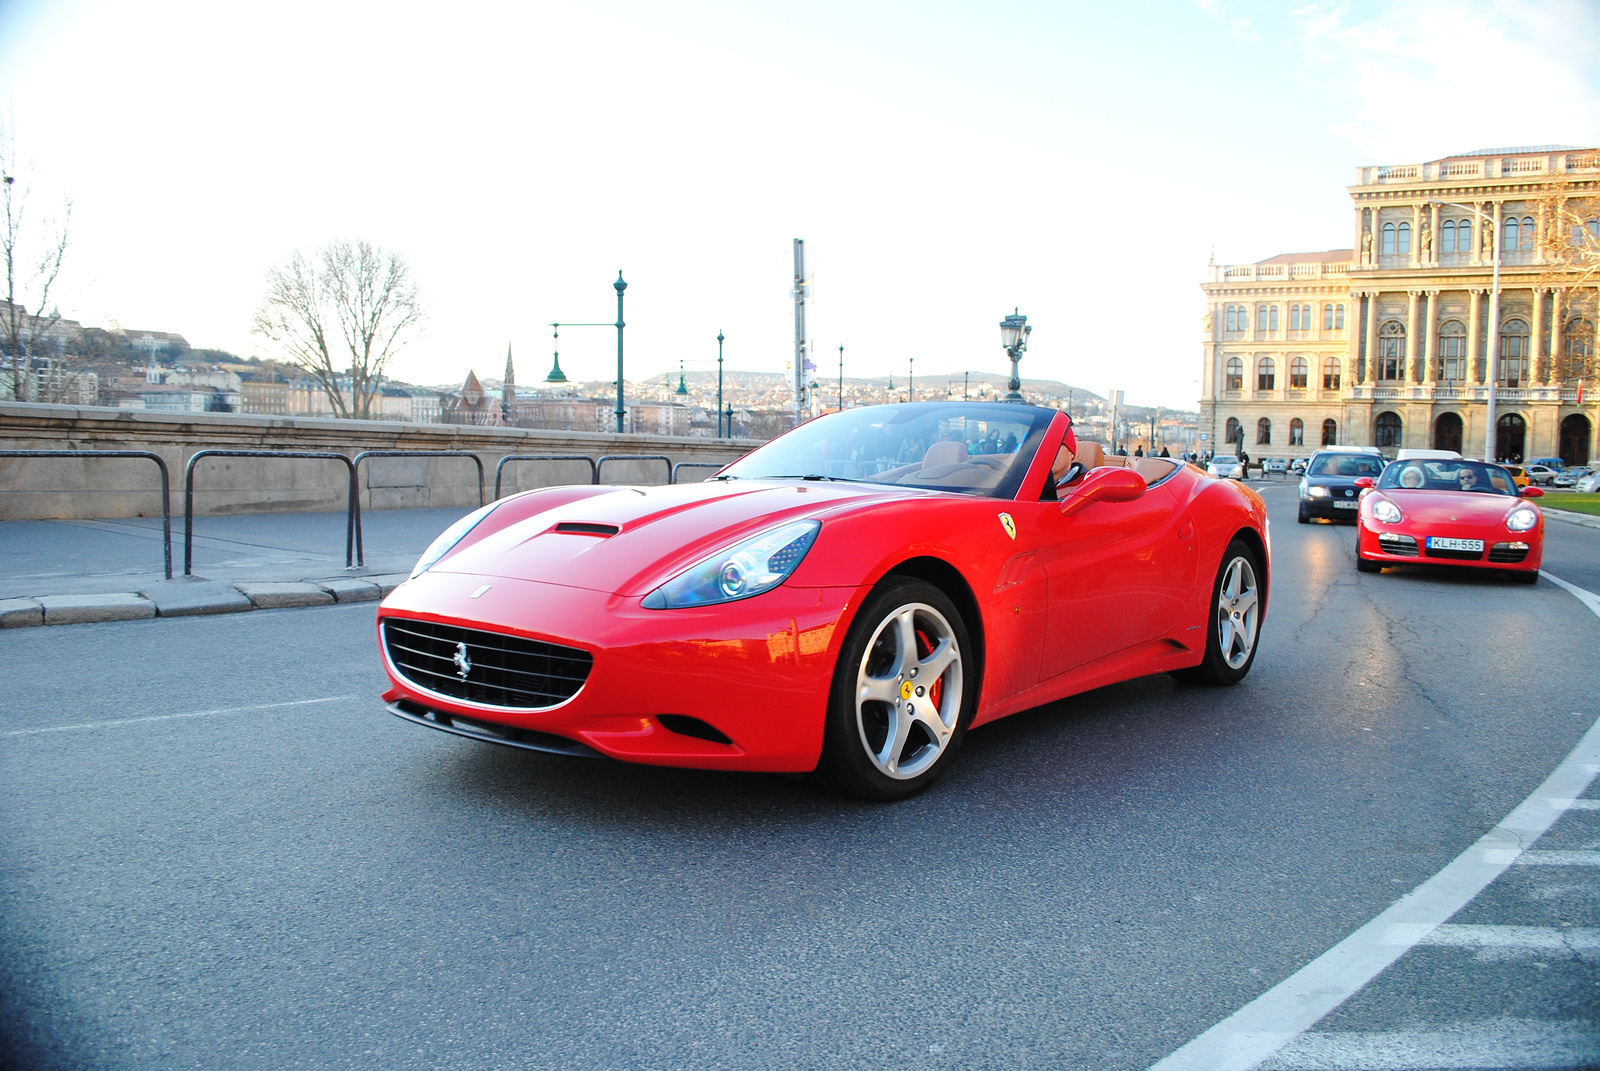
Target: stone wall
{"points": [[55, 488]]}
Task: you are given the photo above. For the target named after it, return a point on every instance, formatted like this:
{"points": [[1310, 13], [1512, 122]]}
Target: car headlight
{"points": [[1318, 491], [1521, 520], [750, 568], [449, 538], [1386, 511]]}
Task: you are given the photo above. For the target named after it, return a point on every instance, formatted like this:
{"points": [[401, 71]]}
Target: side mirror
{"points": [[1105, 485], [1364, 481], [1532, 492]]}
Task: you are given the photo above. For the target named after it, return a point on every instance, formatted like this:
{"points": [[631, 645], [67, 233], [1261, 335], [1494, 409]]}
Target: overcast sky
{"points": [[944, 161]]}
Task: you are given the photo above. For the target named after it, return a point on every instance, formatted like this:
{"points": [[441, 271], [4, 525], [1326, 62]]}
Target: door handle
{"points": [[1187, 531]]}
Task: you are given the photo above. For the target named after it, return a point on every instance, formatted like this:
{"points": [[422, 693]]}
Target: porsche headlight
{"points": [[738, 572], [1386, 511], [1521, 520], [449, 538], [1318, 491]]}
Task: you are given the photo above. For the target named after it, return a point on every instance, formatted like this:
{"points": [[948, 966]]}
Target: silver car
{"points": [[1590, 484], [1226, 468]]}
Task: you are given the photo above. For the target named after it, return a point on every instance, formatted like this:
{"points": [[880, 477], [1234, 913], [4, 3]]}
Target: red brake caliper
{"points": [[924, 649]]}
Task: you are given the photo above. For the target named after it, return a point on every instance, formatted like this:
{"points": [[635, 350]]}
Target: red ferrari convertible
{"points": [[848, 599], [1447, 511]]}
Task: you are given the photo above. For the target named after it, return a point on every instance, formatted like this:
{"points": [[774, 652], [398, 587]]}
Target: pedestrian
{"points": [[1138, 451], [1164, 452]]}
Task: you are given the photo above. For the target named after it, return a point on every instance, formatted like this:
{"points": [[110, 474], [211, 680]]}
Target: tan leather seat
{"points": [[1090, 454], [944, 453]]}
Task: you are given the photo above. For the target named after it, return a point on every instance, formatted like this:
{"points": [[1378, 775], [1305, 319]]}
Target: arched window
{"points": [[1386, 430], [1294, 317], [1235, 374], [1387, 249], [1508, 240], [1233, 318], [1299, 372], [1330, 374], [1447, 432], [1527, 232], [1579, 336], [1234, 432], [1266, 374], [1574, 439], [1273, 325], [1510, 438], [1263, 432], [1404, 239], [1338, 318], [1594, 228], [1453, 351], [1514, 354], [1392, 351], [1330, 433], [1261, 319], [1327, 317], [1447, 236], [1297, 432]]}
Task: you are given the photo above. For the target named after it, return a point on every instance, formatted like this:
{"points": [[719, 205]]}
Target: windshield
{"points": [[980, 448], [1447, 475], [1347, 465]]}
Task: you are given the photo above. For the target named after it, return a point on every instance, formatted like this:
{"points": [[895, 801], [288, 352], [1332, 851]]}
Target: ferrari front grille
{"points": [[484, 667]]}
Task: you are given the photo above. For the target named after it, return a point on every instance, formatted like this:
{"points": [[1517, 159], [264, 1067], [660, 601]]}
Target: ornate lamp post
{"points": [[1014, 332], [841, 379], [719, 383], [621, 412]]}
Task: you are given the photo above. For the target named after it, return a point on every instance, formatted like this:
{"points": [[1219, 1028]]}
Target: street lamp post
{"points": [[911, 379], [1014, 332], [719, 383], [841, 379], [621, 286], [1493, 368]]}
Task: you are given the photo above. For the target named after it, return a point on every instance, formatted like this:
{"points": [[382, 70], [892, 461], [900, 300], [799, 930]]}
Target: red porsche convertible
{"points": [[1449, 511], [848, 599]]}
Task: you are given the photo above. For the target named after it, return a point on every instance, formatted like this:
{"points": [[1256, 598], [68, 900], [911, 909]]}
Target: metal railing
{"points": [[355, 464], [166, 504], [695, 465], [594, 470], [352, 509], [633, 457]]}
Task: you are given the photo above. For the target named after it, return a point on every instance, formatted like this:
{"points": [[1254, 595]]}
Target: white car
{"points": [[1226, 468], [1589, 484], [1274, 465]]}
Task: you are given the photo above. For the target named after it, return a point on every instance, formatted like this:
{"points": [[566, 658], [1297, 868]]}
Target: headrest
{"points": [[1092, 454], [945, 453]]}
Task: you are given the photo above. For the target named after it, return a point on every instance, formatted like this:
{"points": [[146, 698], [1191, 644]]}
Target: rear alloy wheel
{"points": [[1236, 620], [903, 693]]}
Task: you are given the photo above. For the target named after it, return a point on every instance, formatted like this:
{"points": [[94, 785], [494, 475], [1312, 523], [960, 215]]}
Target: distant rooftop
{"points": [[1512, 151], [1329, 256]]}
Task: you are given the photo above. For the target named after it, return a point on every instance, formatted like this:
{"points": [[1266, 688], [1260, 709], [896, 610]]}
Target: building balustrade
{"points": [[1461, 392]]}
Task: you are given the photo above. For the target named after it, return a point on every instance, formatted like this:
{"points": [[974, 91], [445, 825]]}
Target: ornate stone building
{"points": [[1386, 344]]}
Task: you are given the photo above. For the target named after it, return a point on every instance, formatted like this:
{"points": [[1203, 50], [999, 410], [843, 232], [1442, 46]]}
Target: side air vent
{"points": [[684, 725], [586, 528]]}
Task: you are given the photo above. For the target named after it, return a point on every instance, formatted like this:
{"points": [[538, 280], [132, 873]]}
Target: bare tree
{"points": [[355, 306], [32, 267], [1569, 247]]}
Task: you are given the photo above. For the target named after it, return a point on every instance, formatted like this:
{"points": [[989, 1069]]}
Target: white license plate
{"points": [[1445, 543], [1345, 505]]}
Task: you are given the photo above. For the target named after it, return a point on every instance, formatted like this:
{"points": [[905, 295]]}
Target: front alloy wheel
{"points": [[1236, 620]]}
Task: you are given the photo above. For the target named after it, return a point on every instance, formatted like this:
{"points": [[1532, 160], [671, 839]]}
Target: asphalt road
{"points": [[219, 851]]}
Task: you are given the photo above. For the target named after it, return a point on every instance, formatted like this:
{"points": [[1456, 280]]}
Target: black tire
{"points": [[1365, 566], [1228, 655], [1303, 517], [1526, 576], [857, 750]]}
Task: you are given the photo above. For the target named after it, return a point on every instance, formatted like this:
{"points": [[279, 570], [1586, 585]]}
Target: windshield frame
{"points": [[905, 422], [1359, 460]]}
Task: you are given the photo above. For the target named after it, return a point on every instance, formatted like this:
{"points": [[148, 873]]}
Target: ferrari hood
{"points": [[628, 540], [1445, 507]]}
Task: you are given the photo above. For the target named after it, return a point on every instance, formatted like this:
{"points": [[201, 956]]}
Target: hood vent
{"points": [[586, 528]]}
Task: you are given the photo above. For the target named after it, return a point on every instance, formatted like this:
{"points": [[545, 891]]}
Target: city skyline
{"points": [[944, 165]]}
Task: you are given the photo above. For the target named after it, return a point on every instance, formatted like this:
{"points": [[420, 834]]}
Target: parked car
{"points": [[843, 599], [1538, 473], [1298, 466], [1226, 467], [1328, 488], [1274, 466], [1589, 484], [1518, 473]]}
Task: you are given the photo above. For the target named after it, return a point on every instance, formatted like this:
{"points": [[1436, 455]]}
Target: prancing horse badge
{"points": [[1009, 525]]}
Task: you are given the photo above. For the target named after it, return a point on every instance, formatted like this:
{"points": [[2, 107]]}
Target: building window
{"points": [[1330, 374], [1447, 236], [1338, 318], [1233, 318], [1330, 433], [1297, 432], [1235, 374], [1580, 346], [1508, 239], [1391, 351], [1453, 351], [1386, 430], [1261, 319], [1299, 372], [1387, 249], [1234, 432], [1273, 325], [1327, 317], [1404, 244], [1263, 432], [1294, 317], [1527, 232], [1266, 374], [1514, 354]]}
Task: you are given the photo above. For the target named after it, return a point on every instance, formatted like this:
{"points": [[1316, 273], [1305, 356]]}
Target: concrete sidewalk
{"points": [[67, 572]]}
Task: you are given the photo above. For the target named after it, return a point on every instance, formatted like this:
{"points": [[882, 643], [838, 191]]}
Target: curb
{"points": [[187, 598], [1571, 517]]}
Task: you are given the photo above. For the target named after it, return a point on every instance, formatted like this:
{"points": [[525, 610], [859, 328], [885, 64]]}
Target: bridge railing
{"points": [[166, 490]]}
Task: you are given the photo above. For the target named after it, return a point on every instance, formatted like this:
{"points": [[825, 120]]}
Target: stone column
{"points": [[1474, 299], [1433, 229], [1557, 322], [1536, 336], [1371, 378], [1416, 236], [1414, 348], [1431, 371]]}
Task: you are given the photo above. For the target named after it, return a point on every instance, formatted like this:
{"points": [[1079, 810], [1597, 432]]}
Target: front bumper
{"points": [[1400, 545], [756, 672], [1327, 506]]}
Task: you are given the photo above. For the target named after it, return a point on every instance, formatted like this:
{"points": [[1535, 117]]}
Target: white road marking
{"points": [[118, 723], [1554, 858], [1281, 1015], [1531, 938], [1576, 805], [1508, 1043]]}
